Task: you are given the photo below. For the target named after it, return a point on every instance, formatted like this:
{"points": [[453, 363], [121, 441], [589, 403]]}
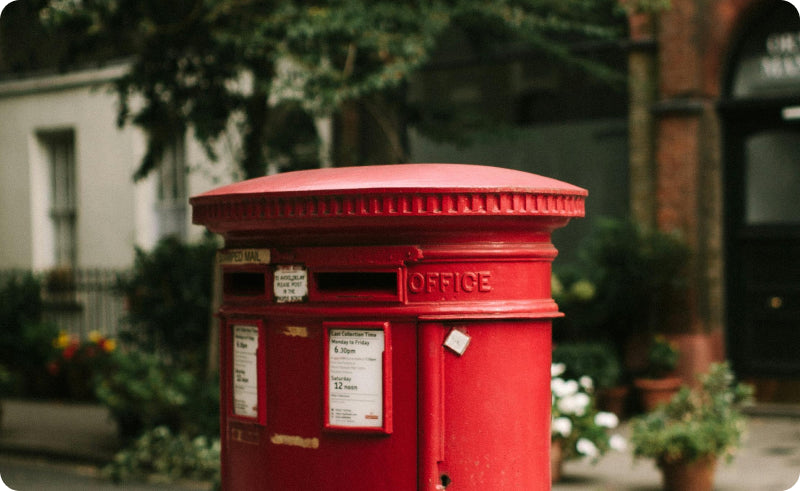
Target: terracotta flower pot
{"points": [[657, 391], [556, 460], [697, 475]]}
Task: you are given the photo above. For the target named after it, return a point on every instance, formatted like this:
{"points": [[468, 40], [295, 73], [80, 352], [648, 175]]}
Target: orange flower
{"points": [[108, 345]]}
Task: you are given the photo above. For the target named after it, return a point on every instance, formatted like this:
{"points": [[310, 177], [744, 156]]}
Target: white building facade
{"points": [[67, 194]]}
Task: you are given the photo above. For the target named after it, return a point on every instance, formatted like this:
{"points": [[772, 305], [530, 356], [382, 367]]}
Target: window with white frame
{"points": [[59, 150], [172, 194]]}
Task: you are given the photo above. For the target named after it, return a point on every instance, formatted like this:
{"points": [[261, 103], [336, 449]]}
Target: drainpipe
{"points": [[642, 90]]}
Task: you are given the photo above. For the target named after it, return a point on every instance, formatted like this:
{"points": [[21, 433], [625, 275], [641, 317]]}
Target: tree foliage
{"points": [[207, 64]]}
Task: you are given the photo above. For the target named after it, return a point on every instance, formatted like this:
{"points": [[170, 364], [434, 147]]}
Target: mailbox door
{"points": [[486, 411], [291, 441]]}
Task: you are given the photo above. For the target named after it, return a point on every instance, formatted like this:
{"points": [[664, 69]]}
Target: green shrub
{"points": [[637, 278], [159, 454], [662, 357], [706, 422], [143, 392], [26, 341], [20, 301], [169, 294], [598, 361], [5, 381], [159, 392]]}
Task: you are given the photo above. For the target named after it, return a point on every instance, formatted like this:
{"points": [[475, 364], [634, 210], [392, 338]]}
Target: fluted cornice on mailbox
{"points": [[411, 190]]}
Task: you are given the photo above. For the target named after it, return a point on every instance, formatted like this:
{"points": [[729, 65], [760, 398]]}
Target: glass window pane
{"points": [[60, 150], [772, 177]]}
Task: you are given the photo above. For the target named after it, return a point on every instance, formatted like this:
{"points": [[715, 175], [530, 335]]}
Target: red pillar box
{"points": [[387, 327]]}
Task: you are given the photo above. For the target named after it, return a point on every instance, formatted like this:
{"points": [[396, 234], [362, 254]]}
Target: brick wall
{"points": [[691, 41]]}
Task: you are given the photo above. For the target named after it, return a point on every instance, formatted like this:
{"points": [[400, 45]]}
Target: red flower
{"points": [[69, 351]]}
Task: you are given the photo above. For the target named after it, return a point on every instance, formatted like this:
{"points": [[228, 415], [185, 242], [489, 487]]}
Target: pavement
{"points": [[769, 460], [84, 436], [47, 445], [78, 432]]}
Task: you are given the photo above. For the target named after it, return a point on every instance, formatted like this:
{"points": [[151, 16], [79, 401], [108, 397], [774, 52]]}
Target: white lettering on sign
{"points": [[290, 284], [450, 282], [782, 59], [245, 371], [355, 383], [243, 256]]}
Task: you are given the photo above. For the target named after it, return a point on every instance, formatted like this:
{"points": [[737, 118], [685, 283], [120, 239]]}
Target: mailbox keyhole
{"points": [[445, 479]]}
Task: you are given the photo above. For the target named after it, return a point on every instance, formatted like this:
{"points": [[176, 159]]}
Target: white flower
{"points": [[585, 447], [618, 443], [571, 387], [586, 382], [563, 388], [557, 369], [561, 426], [574, 404], [606, 420]]}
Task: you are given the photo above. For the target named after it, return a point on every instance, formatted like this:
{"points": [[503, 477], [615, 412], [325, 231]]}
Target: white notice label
{"points": [[245, 371], [355, 371], [290, 284]]}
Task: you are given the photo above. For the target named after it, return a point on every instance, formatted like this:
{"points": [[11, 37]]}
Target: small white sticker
{"points": [[457, 341], [290, 284], [245, 371]]}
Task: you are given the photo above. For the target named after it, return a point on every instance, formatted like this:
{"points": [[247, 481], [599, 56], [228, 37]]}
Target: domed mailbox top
{"points": [[385, 197]]}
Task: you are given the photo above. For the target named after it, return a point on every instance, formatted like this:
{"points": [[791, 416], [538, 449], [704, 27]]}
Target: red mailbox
{"points": [[387, 327]]}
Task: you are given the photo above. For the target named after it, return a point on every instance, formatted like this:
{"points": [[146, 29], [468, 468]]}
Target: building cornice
{"points": [[63, 81]]}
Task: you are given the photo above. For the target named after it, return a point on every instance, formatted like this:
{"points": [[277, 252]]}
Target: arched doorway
{"points": [[761, 121]]}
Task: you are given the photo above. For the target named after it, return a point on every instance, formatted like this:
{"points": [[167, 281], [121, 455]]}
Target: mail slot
{"points": [[363, 285], [387, 327]]}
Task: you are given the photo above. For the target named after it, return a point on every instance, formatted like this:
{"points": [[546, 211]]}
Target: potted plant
{"points": [[578, 428], [640, 284], [658, 384], [599, 361], [689, 434]]}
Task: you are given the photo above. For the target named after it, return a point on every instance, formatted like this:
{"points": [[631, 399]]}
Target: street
{"points": [[32, 474], [768, 461]]}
